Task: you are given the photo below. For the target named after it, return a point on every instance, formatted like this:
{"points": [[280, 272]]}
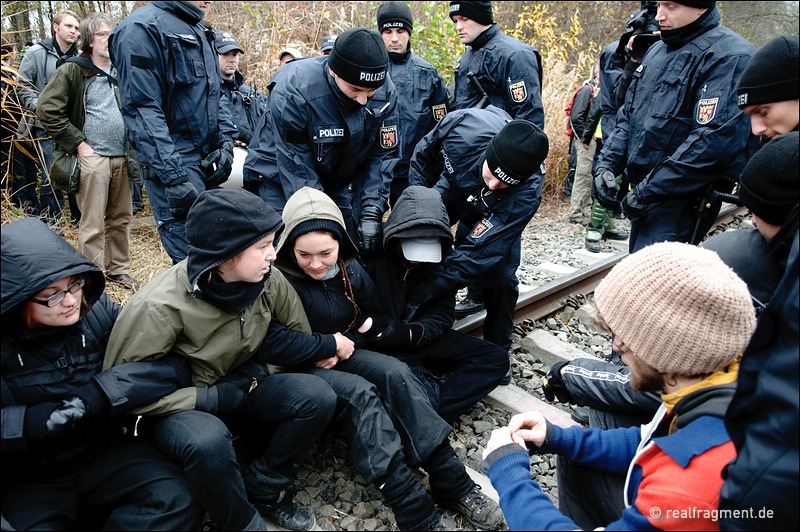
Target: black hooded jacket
{"points": [[41, 367]]}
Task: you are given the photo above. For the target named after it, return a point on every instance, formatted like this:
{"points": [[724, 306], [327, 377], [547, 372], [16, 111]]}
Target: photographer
{"points": [[679, 130]]}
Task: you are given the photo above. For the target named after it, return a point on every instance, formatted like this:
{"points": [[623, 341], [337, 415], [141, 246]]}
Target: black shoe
{"points": [[125, 280], [612, 232], [287, 514], [480, 510], [506, 380], [466, 306]]}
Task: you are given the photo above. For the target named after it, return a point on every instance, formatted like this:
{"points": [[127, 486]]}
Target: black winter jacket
{"points": [[46, 365]]}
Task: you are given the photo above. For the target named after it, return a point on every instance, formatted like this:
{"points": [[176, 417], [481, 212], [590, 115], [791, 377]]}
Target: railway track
{"points": [[551, 297]]}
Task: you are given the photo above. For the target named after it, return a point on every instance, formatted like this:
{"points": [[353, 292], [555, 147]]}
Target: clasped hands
{"points": [[344, 350], [528, 427]]}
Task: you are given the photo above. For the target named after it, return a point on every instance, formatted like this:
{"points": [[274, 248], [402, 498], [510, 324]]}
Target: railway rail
{"points": [[551, 297]]}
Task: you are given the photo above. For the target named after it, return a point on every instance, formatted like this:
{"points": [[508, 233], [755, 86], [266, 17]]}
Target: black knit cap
{"points": [[517, 152], [394, 15], [224, 222], [319, 224], [360, 58], [770, 182], [772, 74], [480, 12], [700, 5]]}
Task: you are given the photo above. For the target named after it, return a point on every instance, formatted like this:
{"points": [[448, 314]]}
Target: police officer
{"points": [[246, 104], [679, 131], [509, 74], [169, 86], [421, 94], [487, 171], [332, 124]]}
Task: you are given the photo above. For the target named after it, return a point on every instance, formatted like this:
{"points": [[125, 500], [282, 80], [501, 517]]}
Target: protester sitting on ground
{"points": [[70, 461], [384, 412], [681, 319], [458, 369], [214, 309]]}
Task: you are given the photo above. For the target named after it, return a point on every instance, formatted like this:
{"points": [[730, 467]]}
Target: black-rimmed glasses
{"points": [[56, 299]]}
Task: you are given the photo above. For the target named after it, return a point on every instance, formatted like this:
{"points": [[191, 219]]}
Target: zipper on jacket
{"points": [[241, 325]]}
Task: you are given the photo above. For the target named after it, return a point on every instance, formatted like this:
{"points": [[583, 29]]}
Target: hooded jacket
{"points": [[326, 302], [48, 364]]}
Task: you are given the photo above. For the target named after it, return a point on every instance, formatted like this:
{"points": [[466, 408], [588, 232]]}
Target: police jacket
{"points": [[169, 84], [422, 100], [42, 366], [450, 157], [611, 65], [246, 104], [489, 227], [509, 71], [313, 135], [36, 67], [764, 416], [680, 128]]}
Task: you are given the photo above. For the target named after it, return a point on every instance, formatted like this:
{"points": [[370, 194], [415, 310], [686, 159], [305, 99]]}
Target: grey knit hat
{"points": [[678, 307]]}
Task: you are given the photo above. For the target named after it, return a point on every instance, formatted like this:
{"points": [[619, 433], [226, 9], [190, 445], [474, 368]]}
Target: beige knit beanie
{"points": [[678, 307]]}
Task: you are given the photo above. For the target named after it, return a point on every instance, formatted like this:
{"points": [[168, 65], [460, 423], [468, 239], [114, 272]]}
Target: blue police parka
{"points": [[169, 82], [313, 135], [680, 129], [509, 71], [246, 104]]}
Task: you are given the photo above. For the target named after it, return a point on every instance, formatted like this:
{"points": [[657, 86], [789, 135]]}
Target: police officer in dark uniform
{"points": [[246, 104], [332, 124], [421, 94], [495, 69], [679, 131], [486, 169], [169, 86]]}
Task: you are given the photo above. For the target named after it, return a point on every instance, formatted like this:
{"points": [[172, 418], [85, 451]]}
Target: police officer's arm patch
{"points": [[388, 137], [518, 91], [706, 110], [481, 228], [439, 111]]}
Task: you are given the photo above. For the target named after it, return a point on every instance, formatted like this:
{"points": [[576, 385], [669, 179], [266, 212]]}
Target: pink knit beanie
{"points": [[678, 307]]}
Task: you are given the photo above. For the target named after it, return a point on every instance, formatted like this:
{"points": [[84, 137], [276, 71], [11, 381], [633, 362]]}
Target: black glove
{"points": [[220, 399], [371, 229], [606, 189], [245, 134], [632, 205], [217, 165], [180, 197], [554, 387], [93, 397], [379, 323], [48, 421], [389, 333]]}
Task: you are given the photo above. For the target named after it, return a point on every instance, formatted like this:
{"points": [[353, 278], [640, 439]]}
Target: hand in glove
{"points": [[554, 387], [245, 135], [632, 206], [388, 332], [606, 189], [217, 165], [371, 229], [220, 399], [180, 197]]}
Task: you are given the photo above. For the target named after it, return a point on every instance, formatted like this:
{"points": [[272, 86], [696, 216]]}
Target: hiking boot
{"points": [[612, 232], [286, 513], [480, 510], [125, 280], [592, 240], [506, 380], [466, 306]]}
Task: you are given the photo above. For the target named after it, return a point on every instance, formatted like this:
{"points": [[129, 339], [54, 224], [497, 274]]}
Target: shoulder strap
{"points": [[99, 322], [87, 63]]}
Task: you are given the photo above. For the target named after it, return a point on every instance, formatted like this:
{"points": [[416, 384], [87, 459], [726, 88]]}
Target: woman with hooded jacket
{"points": [[69, 456], [384, 410]]}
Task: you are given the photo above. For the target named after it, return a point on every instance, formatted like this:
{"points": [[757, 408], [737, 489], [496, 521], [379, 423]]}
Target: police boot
{"points": [[611, 231], [467, 306], [412, 506]]}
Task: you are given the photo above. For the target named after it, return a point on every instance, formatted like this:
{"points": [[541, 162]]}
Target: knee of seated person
{"points": [[318, 404]]}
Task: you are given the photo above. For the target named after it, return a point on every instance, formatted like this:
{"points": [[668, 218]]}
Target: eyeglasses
{"points": [[56, 299]]}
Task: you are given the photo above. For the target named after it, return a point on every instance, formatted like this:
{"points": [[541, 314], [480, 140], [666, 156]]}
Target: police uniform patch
{"points": [[518, 91], [388, 137], [439, 111], [482, 228], [706, 110]]}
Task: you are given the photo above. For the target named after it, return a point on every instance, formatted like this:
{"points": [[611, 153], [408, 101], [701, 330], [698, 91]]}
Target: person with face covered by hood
{"points": [[385, 413], [486, 166], [215, 309], [69, 458], [332, 124]]}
